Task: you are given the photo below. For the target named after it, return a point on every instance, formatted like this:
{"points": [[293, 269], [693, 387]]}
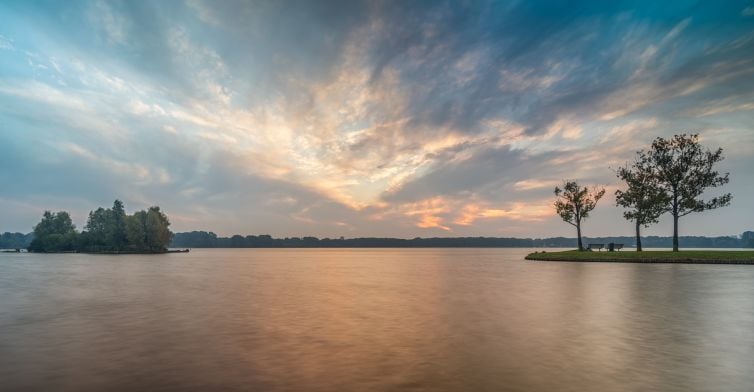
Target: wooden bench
{"points": [[613, 247], [592, 247]]}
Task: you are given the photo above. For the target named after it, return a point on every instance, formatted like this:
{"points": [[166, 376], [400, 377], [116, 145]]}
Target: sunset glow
{"points": [[360, 118]]}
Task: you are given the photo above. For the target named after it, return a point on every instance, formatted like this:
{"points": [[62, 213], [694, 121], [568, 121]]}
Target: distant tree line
{"points": [[669, 177], [15, 240], [203, 239], [108, 230]]}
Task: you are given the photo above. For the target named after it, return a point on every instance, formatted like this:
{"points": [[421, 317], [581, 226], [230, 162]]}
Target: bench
{"points": [[592, 247], [611, 247]]}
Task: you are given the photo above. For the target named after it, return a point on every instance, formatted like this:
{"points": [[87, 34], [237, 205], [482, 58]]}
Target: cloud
{"points": [[363, 118], [720, 106], [114, 25], [6, 43]]}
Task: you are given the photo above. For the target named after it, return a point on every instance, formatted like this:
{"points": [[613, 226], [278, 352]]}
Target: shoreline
{"points": [[648, 257], [110, 252]]}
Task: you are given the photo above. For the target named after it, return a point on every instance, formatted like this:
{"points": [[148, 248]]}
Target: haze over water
{"points": [[371, 319]]}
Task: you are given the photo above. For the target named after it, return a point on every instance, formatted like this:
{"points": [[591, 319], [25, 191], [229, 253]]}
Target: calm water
{"points": [[371, 319]]}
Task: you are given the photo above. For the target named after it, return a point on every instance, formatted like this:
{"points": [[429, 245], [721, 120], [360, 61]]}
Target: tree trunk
{"points": [[638, 236], [675, 233], [675, 221], [578, 233]]}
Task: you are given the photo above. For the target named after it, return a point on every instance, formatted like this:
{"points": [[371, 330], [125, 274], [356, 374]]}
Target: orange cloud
{"points": [[429, 221], [429, 212], [518, 211], [434, 212], [526, 185]]}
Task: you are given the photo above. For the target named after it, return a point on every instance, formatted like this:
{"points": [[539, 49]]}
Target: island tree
{"points": [[95, 235], [684, 169], [574, 203], [54, 233], [117, 232], [644, 197], [158, 235], [136, 230]]}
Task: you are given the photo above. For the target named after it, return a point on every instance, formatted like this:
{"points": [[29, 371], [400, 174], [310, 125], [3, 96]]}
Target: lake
{"points": [[371, 319]]}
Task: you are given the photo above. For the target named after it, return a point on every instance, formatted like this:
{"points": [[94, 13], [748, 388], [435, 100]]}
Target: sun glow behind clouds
{"points": [[372, 124]]}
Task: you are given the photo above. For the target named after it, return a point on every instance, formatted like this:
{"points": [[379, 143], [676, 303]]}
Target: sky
{"points": [[365, 118]]}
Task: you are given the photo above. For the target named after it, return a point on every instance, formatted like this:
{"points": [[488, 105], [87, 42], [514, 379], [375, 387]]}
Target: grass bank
{"points": [[650, 256]]}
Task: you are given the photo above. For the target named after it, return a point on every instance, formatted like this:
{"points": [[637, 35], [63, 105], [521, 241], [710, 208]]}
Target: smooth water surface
{"points": [[371, 319]]}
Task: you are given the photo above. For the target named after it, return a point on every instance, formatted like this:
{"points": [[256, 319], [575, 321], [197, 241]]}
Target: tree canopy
{"points": [[644, 198], [685, 170], [747, 239], [106, 230], [574, 203], [54, 233]]}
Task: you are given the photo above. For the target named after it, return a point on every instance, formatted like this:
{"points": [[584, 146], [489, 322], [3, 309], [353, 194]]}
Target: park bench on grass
{"points": [[592, 247], [611, 247]]}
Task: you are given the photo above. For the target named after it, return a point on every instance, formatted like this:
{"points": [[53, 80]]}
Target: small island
{"points": [[681, 257], [108, 231]]}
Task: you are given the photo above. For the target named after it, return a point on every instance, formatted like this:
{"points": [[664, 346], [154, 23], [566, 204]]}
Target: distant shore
{"points": [[650, 256], [203, 239], [122, 252]]}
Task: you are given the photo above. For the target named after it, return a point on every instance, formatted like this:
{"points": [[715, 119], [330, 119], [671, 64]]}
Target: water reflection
{"points": [[371, 319]]}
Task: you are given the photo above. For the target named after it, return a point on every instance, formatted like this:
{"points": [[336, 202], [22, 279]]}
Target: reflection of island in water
{"points": [[109, 231]]}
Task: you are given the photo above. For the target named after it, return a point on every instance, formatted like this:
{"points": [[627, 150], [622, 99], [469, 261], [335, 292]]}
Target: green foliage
{"points": [[117, 233], [574, 203], [135, 230], [96, 229], [684, 170], [15, 240], [106, 230], [54, 233], [747, 239], [646, 199], [156, 228]]}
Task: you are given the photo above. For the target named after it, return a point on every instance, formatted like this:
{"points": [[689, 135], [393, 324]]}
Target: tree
{"points": [[684, 170], [237, 241], [15, 240], [574, 203], [96, 235], [747, 239], [646, 199], [136, 230], [118, 237], [156, 228], [200, 239], [54, 233]]}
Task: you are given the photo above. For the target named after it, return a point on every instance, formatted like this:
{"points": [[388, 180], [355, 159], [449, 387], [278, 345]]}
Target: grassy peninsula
{"points": [[682, 257]]}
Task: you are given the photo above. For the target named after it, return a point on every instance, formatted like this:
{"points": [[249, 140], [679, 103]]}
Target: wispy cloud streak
{"points": [[360, 118]]}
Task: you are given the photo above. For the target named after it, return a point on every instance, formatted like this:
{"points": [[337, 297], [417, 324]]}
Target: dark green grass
{"points": [[651, 256]]}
